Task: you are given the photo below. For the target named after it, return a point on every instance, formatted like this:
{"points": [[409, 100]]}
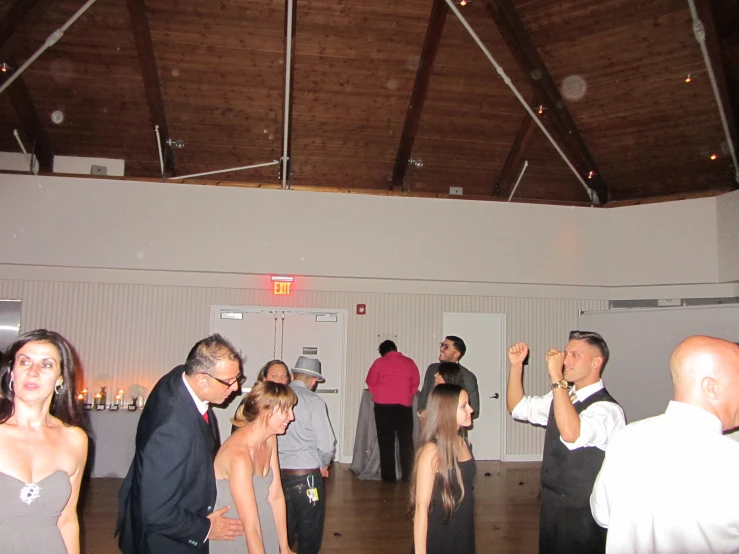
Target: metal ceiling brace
{"points": [[591, 193]]}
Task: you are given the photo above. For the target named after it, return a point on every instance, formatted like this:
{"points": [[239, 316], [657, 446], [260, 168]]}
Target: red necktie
{"points": [[206, 418]]}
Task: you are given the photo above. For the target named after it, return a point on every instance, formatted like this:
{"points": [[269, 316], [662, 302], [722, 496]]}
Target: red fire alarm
{"points": [[361, 309]]}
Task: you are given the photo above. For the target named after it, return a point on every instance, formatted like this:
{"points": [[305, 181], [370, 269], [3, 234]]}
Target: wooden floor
{"points": [[369, 516]]}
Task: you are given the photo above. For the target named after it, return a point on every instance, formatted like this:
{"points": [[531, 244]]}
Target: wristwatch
{"points": [[563, 384]]}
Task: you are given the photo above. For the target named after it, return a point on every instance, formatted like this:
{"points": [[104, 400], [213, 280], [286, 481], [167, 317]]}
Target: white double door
{"points": [[484, 337], [264, 334]]}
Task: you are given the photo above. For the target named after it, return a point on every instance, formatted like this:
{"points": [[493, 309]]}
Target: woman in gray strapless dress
{"points": [[42, 449], [248, 472], [29, 512]]}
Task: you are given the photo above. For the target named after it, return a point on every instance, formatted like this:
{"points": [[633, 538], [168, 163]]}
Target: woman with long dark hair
{"points": [[442, 500], [42, 449]]}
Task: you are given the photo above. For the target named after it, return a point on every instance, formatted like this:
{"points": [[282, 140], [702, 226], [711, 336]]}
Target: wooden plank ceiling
{"points": [[376, 82]]}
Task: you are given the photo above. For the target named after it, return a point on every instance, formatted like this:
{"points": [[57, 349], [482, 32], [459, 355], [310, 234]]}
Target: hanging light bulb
{"points": [[688, 79], [463, 3], [4, 67], [591, 174], [713, 157]]}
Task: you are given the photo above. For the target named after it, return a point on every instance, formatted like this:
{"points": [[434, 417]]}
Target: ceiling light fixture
{"points": [[176, 143], [463, 3], [713, 157], [688, 79], [540, 109], [5, 67], [591, 174]]}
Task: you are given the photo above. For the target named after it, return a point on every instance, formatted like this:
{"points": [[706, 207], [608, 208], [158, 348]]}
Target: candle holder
{"points": [[133, 406]]}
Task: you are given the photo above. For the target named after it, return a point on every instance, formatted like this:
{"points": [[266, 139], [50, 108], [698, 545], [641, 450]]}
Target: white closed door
{"points": [[254, 334], [320, 335], [264, 334], [484, 337]]}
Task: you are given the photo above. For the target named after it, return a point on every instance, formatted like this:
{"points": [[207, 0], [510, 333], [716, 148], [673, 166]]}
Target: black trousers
{"points": [[569, 530], [305, 518], [394, 420]]}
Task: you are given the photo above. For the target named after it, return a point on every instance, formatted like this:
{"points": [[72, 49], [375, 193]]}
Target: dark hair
{"points": [[208, 352], [387, 346], [593, 339], [64, 404], [262, 375], [451, 373], [459, 345], [441, 427], [266, 396]]}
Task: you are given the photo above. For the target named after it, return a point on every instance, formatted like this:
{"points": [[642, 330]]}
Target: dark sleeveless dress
{"points": [[457, 536]]}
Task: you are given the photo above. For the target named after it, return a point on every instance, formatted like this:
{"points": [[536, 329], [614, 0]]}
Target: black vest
{"points": [[568, 476]]}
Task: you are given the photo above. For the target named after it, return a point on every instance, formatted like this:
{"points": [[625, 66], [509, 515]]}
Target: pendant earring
{"points": [[58, 387], [10, 384]]}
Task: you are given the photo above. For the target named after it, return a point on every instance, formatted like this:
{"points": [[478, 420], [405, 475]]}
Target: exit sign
{"points": [[281, 288]]}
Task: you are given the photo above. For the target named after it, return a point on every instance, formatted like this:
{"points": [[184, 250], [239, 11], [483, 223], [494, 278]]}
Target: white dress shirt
{"points": [[670, 484], [598, 422], [201, 405]]}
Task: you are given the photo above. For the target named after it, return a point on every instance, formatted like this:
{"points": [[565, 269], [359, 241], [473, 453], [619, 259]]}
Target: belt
{"points": [[300, 471]]}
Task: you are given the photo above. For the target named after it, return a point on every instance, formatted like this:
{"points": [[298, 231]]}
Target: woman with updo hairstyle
{"points": [[248, 471], [441, 498], [42, 448], [275, 371]]}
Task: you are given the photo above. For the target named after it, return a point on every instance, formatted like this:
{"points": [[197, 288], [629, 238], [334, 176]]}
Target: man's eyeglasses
{"points": [[444, 346], [228, 384]]}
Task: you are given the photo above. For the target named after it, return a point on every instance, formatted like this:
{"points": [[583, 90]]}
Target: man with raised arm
{"points": [[580, 421]]}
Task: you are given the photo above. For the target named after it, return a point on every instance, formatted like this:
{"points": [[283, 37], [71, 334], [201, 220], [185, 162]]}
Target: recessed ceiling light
{"points": [[713, 157]]}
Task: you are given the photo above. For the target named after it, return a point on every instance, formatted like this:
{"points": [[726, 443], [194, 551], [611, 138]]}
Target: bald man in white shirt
{"points": [[670, 483]]}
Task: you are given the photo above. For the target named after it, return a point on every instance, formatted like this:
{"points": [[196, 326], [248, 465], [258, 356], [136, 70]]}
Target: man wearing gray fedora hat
{"points": [[305, 451]]}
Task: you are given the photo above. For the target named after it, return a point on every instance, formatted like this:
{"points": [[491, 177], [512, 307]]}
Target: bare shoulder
{"points": [[76, 439], [428, 453]]}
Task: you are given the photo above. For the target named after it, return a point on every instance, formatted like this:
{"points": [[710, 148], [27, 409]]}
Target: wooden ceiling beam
{"points": [[150, 76], [437, 19], [516, 155], [715, 53], [30, 124], [10, 23], [521, 45]]}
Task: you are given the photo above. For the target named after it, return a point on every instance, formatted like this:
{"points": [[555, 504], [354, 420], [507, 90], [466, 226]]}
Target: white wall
{"points": [[16, 161], [83, 166], [166, 226], [117, 224], [728, 236], [667, 243]]}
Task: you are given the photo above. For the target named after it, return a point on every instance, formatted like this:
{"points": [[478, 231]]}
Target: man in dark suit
{"points": [[165, 503]]}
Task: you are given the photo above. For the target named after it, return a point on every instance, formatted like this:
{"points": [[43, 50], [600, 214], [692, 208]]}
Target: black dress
{"points": [[457, 536]]}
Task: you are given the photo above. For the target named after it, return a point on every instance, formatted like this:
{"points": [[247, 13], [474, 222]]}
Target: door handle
{"points": [[496, 396], [327, 391]]}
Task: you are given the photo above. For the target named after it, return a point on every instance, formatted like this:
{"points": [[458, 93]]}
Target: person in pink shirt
{"points": [[392, 380]]}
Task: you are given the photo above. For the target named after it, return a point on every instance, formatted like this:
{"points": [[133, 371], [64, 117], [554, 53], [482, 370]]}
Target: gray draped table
{"points": [[366, 457], [113, 436]]}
